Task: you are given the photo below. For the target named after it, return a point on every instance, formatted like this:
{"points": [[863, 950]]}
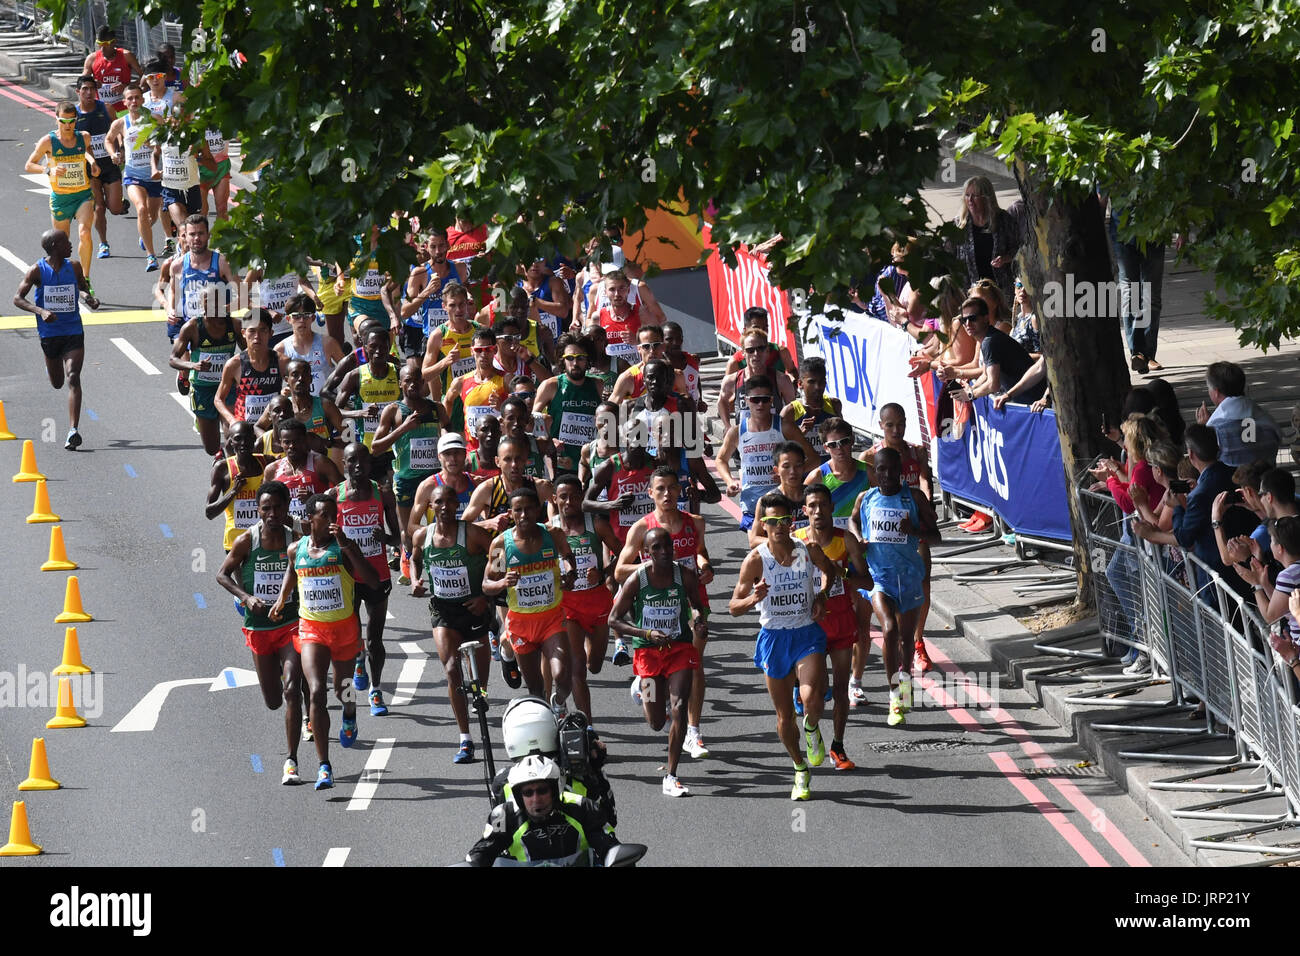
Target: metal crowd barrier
{"points": [[1211, 645], [135, 34]]}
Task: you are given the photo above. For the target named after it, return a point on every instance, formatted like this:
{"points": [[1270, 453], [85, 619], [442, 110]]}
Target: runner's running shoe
{"points": [[465, 754], [904, 681], [814, 747], [348, 732], [922, 658], [103, 251], [151, 263], [694, 745], [673, 787], [377, 706], [290, 777], [510, 671], [325, 777], [896, 711], [802, 789], [840, 759], [622, 657], [857, 696], [636, 692], [183, 383], [360, 679], [73, 441], [306, 730]]}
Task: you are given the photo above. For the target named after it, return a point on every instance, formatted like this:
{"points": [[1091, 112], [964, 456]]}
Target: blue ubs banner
{"points": [[1010, 462]]}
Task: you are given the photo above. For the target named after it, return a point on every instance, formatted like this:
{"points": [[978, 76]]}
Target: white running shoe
{"points": [[694, 746], [673, 787], [290, 773], [636, 691], [857, 696]]}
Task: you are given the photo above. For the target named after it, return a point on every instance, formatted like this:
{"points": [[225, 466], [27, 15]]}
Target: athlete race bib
{"points": [[586, 560], [97, 145], [60, 298], [837, 586], [365, 537], [213, 375], [297, 507], [576, 428], [322, 593], [216, 143], [660, 617], [196, 299], [621, 350], [111, 93], [254, 405], [374, 410], [474, 415], [179, 171], [842, 521], [462, 366], [139, 155], [71, 174], [536, 590], [245, 512], [424, 454], [266, 585], [450, 583], [370, 284], [273, 294], [886, 526]]}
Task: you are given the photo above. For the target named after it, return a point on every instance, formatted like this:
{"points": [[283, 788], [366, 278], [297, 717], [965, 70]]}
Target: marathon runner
{"points": [[666, 639], [422, 310], [482, 462], [524, 563], [451, 455], [477, 394], [687, 363], [93, 118], [57, 280], [512, 361], [367, 390], [841, 620], [587, 603], [846, 477], [624, 480], [549, 292], [65, 156], [630, 383], [112, 67], [201, 281], [601, 448], [204, 347], [891, 519], [450, 558], [777, 359], [371, 291], [131, 150], [687, 532], [410, 429], [236, 482], [255, 375], [813, 406], [489, 505], [916, 474], [214, 173], [253, 571], [516, 423], [620, 318], [791, 467], [570, 399], [319, 351], [303, 471], [776, 577], [443, 364], [323, 567], [364, 509], [756, 437], [537, 338], [601, 364], [731, 396]]}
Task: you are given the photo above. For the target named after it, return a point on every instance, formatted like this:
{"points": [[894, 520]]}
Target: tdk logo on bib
{"points": [[985, 446]]}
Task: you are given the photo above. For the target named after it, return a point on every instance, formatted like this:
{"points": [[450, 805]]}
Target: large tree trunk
{"points": [[1066, 243]]}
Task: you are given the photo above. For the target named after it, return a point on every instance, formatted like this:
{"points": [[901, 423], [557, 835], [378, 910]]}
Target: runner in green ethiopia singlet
{"points": [[262, 574], [453, 573], [587, 551], [416, 450], [573, 419], [538, 589], [661, 609], [325, 588]]}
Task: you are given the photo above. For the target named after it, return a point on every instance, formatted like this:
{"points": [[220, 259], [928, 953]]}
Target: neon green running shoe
{"points": [[813, 745], [801, 789], [896, 711]]}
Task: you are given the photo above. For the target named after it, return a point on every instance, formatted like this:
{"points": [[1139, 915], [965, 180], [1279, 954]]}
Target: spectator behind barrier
{"points": [[1003, 362], [1272, 599], [992, 235], [1192, 530], [1024, 322], [1167, 408], [1238, 520], [1140, 432], [1246, 432], [1165, 459]]}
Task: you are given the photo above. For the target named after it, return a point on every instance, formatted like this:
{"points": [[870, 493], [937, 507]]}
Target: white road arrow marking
{"points": [[371, 774], [408, 679], [144, 715], [337, 856]]}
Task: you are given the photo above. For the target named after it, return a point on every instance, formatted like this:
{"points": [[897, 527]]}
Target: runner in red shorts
{"points": [[841, 620], [525, 564], [586, 605], [660, 596], [253, 572]]}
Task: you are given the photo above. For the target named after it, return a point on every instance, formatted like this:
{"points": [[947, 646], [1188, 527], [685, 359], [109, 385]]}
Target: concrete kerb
{"points": [[1010, 646], [43, 71]]}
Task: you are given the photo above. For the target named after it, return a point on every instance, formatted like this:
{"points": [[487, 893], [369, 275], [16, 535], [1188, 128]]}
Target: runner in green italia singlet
{"points": [[253, 572]]}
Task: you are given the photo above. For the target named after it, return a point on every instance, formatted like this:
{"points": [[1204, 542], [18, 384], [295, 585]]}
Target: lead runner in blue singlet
{"points": [[891, 520]]}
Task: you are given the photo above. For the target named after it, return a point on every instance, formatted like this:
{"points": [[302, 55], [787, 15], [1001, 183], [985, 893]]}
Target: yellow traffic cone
{"points": [[28, 472], [41, 513], [58, 553], [72, 663], [65, 715], [73, 613], [38, 776], [20, 837], [5, 433]]}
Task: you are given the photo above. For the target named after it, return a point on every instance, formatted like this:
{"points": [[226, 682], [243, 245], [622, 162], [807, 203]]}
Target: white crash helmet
{"points": [[530, 770], [528, 727]]}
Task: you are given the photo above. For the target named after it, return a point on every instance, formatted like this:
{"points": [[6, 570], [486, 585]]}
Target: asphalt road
{"points": [[954, 786]]}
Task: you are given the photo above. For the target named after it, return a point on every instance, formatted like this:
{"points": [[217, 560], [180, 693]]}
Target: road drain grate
{"points": [[917, 746]]}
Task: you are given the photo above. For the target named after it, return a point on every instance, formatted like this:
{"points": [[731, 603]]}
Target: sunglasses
{"points": [[526, 396], [838, 443], [779, 519], [302, 315], [155, 76], [70, 119], [507, 338], [484, 348], [649, 345], [758, 399], [755, 349], [575, 358], [106, 42], [532, 791], [967, 319]]}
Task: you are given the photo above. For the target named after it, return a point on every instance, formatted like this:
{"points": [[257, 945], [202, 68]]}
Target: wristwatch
{"points": [[1216, 524]]}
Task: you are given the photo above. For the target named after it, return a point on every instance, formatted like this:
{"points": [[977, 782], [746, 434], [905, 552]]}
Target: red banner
{"points": [[735, 290]]}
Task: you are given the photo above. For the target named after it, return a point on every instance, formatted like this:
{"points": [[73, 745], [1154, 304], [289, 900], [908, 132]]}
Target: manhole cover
{"points": [[913, 746], [1066, 771]]}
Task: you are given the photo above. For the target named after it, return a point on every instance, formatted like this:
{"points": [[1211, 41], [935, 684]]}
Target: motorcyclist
{"points": [[528, 726], [540, 822]]}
